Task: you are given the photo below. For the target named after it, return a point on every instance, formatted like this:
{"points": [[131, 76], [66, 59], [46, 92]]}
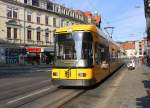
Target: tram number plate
{"points": [[68, 73]]}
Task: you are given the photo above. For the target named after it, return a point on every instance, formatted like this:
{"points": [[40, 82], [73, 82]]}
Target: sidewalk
{"points": [[133, 90], [125, 89]]}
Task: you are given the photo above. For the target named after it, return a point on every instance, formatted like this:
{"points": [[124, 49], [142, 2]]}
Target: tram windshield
{"points": [[73, 49]]}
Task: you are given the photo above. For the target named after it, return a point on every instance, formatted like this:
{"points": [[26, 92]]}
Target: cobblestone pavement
{"points": [[133, 90]]}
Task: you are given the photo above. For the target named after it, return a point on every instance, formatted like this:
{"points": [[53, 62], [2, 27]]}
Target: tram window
{"points": [[87, 50], [87, 37], [114, 56], [101, 53], [76, 45], [97, 54]]}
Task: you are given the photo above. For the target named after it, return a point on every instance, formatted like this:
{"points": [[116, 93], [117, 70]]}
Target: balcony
{"points": [[49, 43], [10, 41], [14, 41], [40, 42], [30, 42]]}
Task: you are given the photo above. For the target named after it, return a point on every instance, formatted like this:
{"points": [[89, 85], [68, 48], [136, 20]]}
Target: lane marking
{"points": [[29, 95]]}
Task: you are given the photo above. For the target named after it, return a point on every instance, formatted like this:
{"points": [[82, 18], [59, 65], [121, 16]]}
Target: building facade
{"points": [[147, 16], [27, 26], [129, 48], [93, 19], [140, 47], [134, 48]]}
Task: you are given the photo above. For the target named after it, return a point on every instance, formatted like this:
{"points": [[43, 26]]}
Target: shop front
{"points": [[48, 55], [14, 55], [33, 55]]}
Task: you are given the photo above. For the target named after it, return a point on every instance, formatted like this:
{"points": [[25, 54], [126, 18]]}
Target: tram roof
{"points": [[81, 27], [84, 27], [77, 27]]}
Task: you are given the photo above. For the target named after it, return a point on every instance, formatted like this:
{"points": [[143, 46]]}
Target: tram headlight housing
{"points": [[82, 74], [55, 74]]}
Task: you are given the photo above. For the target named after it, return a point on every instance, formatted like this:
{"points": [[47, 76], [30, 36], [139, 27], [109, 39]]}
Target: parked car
{"points": [[131, 65]]}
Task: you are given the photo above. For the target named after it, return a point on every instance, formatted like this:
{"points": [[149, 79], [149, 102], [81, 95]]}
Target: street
{"points": [[14, 85], [67, 54], [124, 89]]}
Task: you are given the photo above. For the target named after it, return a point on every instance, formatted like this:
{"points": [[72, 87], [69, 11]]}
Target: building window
{"points": [[35, 2], [62, 22], [47, 37], [49, 5], [15, 13], [29, 17], [38, 19], [28, 2], [54, 22], [38, 36], [8, 32], [15, 33], [9, 12], [140, 52], [29, 35], [46, 20], [57, 9], [25, 1], [43, 4], [12, 13]]}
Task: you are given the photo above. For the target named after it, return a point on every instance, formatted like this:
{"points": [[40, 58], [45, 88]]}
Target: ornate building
{"points": [[28, 25]]}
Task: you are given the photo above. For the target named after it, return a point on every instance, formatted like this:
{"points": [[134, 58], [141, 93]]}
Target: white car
{"points": [[131, 65]]}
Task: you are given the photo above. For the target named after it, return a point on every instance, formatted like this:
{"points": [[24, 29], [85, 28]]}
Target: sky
{"points": [[126, 16]]}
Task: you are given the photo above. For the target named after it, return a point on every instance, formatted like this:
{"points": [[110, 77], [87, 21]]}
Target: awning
{"points": [[34, 50]]}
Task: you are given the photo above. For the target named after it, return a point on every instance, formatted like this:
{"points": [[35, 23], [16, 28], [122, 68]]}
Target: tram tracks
{"points": [[55, 99], [60, 102], [4, 95], [48, 96], [27, 97]]}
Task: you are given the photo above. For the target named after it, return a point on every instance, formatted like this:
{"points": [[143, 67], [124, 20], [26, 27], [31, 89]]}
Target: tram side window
{"points": [[97, 54], [104, 54], [114, 55], [100, 54]]}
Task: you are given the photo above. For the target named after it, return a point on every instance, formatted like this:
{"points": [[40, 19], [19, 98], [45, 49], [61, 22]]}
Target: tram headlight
{"points": [[55, 74], [82, 74]]}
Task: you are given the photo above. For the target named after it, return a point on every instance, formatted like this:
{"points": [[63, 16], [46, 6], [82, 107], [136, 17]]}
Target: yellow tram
{"points": [[83, 56]]}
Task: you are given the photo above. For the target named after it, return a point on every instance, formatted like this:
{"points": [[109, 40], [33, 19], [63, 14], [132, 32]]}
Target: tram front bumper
{"points": [[67, 82]]}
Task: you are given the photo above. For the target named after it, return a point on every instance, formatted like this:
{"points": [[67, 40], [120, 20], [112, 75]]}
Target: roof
{"points": [[79, 27], [128, 45]]}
